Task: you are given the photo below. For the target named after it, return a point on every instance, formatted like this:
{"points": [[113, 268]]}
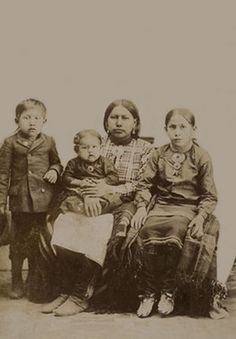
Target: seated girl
{"points": [[182, 175]]}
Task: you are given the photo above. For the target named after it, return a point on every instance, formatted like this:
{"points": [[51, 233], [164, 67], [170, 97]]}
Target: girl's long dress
{"points": [[185, 187]]}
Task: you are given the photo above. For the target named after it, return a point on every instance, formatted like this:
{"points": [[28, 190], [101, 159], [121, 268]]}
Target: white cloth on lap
{"points": [[87, 235]]}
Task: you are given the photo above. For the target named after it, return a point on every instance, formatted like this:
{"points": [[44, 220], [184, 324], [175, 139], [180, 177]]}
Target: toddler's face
{"points": [[89, 148], [31, 122]]}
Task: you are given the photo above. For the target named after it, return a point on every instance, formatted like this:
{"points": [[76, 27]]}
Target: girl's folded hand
{"points": [[139, 218], [196, 227]]}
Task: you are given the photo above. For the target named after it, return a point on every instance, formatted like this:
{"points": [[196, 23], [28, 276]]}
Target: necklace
{"points": [[177, 162]]}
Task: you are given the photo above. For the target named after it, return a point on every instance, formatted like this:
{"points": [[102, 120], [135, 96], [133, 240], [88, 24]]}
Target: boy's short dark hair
{"points": [[27, 104]]}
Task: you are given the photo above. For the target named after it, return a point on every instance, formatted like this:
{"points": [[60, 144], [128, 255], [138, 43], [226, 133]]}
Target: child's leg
{"points": [[123, 216], [5, 229], [17, 289], [18, 253], [110, 202], [72, 203]]}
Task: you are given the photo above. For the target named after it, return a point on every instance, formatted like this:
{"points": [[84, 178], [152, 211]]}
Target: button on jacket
{"points": [[22, 166]]}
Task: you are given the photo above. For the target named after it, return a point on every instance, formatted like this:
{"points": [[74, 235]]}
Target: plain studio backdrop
{"points": [[78, 56]]}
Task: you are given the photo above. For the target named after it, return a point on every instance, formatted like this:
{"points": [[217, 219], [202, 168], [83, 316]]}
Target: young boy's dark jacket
{"points": [[22, 167]]}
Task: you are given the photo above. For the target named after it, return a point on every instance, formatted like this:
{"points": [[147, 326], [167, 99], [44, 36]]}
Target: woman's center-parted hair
{"points": [[184, 112], [87, 132], [130, 106], [29, 104]]}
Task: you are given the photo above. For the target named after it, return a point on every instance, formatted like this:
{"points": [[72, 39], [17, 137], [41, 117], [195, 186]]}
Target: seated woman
{"points": [[77, 272], [182, 175]]}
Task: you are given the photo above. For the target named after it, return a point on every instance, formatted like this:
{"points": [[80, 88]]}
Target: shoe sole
{"points": [[67, 314], [48, 311]]}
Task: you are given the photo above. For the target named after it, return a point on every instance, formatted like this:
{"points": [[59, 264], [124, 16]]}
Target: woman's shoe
{"points": [[71, 306], [166, 304], [146, 305], [53, 305]]}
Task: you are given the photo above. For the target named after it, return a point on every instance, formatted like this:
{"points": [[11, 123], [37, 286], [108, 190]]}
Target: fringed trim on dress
{"points": [[118, 289], [202, 300], [219, 294], [172, 240], [199, 292]]}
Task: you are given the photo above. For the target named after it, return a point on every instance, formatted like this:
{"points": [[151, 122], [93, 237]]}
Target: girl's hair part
{"points": [[184, 112]]}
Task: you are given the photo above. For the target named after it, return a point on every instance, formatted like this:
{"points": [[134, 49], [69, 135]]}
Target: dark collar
{"points": [[25, 141]]}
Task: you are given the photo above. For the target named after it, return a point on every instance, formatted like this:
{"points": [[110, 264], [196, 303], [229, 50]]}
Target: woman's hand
{"points": [[196, 227], [139, 218], [97, 189], [92, 206]]}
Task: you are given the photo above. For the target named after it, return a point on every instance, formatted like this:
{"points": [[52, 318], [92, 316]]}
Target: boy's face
{"points": [[31, 122], [89, 148]]}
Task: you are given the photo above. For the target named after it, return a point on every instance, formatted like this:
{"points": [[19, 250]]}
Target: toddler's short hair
{"points": [[82, 134], [28, 104]]}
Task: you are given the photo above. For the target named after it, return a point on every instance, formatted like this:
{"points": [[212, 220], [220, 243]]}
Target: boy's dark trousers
{"points": [[24, 243]]}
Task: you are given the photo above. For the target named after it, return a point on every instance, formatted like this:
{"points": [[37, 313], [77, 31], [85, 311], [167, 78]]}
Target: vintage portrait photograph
{"points": [[117, 169]]}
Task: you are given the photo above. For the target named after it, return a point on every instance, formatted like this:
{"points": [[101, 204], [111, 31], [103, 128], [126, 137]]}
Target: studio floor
{"points": [[21, 319]]}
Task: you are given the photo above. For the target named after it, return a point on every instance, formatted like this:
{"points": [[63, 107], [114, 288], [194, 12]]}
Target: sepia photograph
{"points": [[117, 169]]}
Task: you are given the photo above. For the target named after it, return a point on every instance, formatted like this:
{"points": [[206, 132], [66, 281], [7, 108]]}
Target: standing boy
{"points": [[30, 168]]}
